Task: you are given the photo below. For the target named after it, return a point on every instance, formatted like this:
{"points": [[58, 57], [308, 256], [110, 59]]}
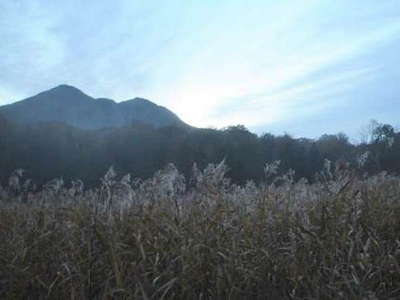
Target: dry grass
{"points": [[166, 238]]}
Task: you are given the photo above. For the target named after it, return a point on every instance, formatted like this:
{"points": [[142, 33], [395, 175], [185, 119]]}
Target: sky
{"points": [[301, 67]]}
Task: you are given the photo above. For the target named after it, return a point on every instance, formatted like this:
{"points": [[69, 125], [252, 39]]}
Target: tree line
{"points": [[49, 150]]}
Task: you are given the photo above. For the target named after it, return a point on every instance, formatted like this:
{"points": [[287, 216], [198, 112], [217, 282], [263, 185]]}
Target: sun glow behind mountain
{"points": [[272, 66]]}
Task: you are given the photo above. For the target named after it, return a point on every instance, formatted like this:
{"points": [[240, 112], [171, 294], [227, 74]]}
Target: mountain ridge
{"points": [[68, 104]]}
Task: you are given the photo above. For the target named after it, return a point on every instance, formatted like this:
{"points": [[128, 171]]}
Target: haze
{"points": [[303, 67]]}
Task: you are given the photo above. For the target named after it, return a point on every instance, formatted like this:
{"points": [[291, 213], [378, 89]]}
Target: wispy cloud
{"points": [[288, 61], [259, 63]]}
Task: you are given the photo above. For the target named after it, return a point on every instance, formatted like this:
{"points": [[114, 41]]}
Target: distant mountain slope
{"points": [[69, 105]]}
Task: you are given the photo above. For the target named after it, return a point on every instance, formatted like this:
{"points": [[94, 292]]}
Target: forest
{"points": [[174, 236], [55, 150], [184, 213]]}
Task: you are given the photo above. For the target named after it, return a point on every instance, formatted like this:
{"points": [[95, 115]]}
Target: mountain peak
{"points": [[65, 86], [139, 100], [67, 104], [65, 90]]}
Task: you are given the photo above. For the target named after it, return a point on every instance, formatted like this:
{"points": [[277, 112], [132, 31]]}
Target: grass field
{"points": [[202, 238]]}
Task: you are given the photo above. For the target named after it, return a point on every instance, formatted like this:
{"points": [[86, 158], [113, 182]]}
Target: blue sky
{"points": [[303, 67]]}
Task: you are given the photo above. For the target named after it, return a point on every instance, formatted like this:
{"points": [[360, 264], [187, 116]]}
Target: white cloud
{"points": [[213, 62]]}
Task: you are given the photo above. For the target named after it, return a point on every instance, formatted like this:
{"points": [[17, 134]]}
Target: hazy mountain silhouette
{"points": [[69, 105]]}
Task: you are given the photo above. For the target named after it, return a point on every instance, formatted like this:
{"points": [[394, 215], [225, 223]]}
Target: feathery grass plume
{"points": [[169, 237]]}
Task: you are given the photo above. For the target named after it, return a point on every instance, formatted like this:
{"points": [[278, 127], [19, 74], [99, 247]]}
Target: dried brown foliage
{"points": [[167, 238]]}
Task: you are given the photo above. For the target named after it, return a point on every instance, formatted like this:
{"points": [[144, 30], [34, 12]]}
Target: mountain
{"points": [[69, 105]]}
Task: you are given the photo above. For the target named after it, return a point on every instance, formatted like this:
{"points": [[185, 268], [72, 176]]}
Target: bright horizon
{"points": [[302, 67]]}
